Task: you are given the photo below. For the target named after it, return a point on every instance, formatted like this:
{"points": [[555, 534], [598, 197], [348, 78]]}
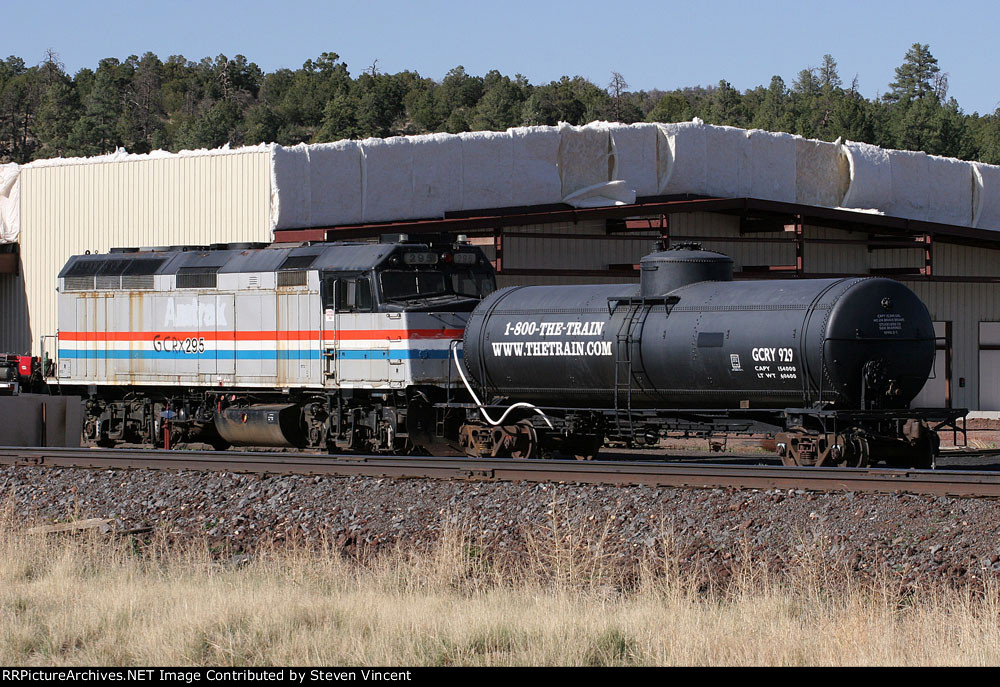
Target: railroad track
{"points": [[964, 483]]}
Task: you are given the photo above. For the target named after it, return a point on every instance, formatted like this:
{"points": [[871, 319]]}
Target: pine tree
{"points": [[725, 106], [772, 113], [916, 77], [671, 107], [96, 132], [500, 106], [914, 100], [58, 112]]}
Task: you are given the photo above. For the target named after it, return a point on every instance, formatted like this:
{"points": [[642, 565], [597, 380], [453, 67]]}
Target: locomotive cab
{"points": [[416, 277]]}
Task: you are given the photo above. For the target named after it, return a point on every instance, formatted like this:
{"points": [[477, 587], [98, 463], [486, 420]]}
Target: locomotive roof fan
{"points": [[684, 263]]}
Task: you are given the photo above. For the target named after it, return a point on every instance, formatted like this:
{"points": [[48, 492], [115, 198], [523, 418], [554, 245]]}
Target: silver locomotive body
{"points": [[224, 345]]}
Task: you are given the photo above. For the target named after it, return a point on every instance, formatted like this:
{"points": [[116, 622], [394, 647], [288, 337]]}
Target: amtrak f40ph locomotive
{"points": [[404, 346], [324, 345]]}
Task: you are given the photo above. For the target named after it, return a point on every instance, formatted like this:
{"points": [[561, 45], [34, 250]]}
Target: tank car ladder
{"points": [[623, 365]]}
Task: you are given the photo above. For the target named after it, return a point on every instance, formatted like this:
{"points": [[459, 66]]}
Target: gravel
{"points": [[920, 540]]}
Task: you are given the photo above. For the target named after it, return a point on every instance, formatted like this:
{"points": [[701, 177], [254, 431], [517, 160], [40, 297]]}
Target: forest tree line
{"points": [[144, 103]]}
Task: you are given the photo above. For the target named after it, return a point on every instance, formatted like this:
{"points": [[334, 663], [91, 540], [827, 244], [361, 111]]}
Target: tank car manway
{"points": [[960, 483]]}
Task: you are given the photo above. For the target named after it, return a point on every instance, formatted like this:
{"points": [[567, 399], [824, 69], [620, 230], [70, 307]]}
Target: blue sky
{"points": [[663, 44]]}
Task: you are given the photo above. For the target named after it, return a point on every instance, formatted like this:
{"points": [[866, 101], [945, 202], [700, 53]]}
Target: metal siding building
{"points": [[68, 209], [954, 271]]}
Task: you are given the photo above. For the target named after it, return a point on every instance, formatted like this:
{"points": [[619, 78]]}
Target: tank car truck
{"points": [[332, 346]]}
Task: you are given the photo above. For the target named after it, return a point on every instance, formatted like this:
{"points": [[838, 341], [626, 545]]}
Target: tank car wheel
{"points": [[796, 448], [799, 448], [858, 453], [523, 440], [519, 440]]}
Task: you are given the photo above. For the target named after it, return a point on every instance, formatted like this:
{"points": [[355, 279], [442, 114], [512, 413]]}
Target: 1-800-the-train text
{"points": [[592, 328], [553, 348]]}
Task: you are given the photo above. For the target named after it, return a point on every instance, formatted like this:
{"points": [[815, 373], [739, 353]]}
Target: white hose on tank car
{"points": [[454, 349]]}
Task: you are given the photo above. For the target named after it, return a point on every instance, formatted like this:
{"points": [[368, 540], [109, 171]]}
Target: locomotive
{"points": [[407, 346], [326, 345]]}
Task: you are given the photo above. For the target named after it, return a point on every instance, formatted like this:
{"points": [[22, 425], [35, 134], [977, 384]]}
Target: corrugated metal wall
{"points": [[70, 209], [14, 326], [563, 249], [965, 304]]}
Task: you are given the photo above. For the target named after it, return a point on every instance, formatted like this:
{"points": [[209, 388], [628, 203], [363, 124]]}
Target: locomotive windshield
{"points": [[473, 284], [400, 285]]}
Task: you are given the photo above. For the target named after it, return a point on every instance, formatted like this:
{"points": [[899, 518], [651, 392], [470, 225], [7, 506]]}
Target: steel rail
{"points": [[962, 483]]}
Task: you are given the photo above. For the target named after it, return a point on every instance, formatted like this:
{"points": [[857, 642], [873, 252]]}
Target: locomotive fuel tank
{"points": [[689, 337], [263, 424]]}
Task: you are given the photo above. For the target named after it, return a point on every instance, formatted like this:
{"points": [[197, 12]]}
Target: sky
{"points": [[654, 44]]}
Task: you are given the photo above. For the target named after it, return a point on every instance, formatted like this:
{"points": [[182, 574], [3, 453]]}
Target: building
{"points": [[70, 207], [580, 204]]}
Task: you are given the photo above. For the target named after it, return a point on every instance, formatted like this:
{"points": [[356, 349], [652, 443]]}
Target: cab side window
{"points": [[353, 294]]}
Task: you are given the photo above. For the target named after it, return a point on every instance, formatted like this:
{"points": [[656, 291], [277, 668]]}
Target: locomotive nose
{"points": [[879, 343]]}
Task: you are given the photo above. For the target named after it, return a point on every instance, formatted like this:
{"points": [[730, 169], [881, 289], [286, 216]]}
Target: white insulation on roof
{"points": [[949, 191], [536, 179], [10, 203], [822, 172], [602, 163], [986, 191], [634, 157], [487, 157], [682, 158], [437, 180], [870, 185]]}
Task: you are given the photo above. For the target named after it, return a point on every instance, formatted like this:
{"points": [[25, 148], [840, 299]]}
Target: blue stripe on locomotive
{"points": [[360, 354]]}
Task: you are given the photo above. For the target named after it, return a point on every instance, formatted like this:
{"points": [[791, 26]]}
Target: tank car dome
{"points": [[686, 263]]}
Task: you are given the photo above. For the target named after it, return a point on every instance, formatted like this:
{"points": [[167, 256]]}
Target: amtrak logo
{"points": [[734, 359]]}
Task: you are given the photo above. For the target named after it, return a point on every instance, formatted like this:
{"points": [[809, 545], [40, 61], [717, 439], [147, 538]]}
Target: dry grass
{"points": [[85, 600]]}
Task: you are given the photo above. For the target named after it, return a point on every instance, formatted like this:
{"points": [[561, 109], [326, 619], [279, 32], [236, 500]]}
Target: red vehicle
{"points": [[19, 373]]}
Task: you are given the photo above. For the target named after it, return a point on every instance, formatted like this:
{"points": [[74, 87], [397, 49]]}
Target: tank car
{"points": [[827, 365], [329, 345]]}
